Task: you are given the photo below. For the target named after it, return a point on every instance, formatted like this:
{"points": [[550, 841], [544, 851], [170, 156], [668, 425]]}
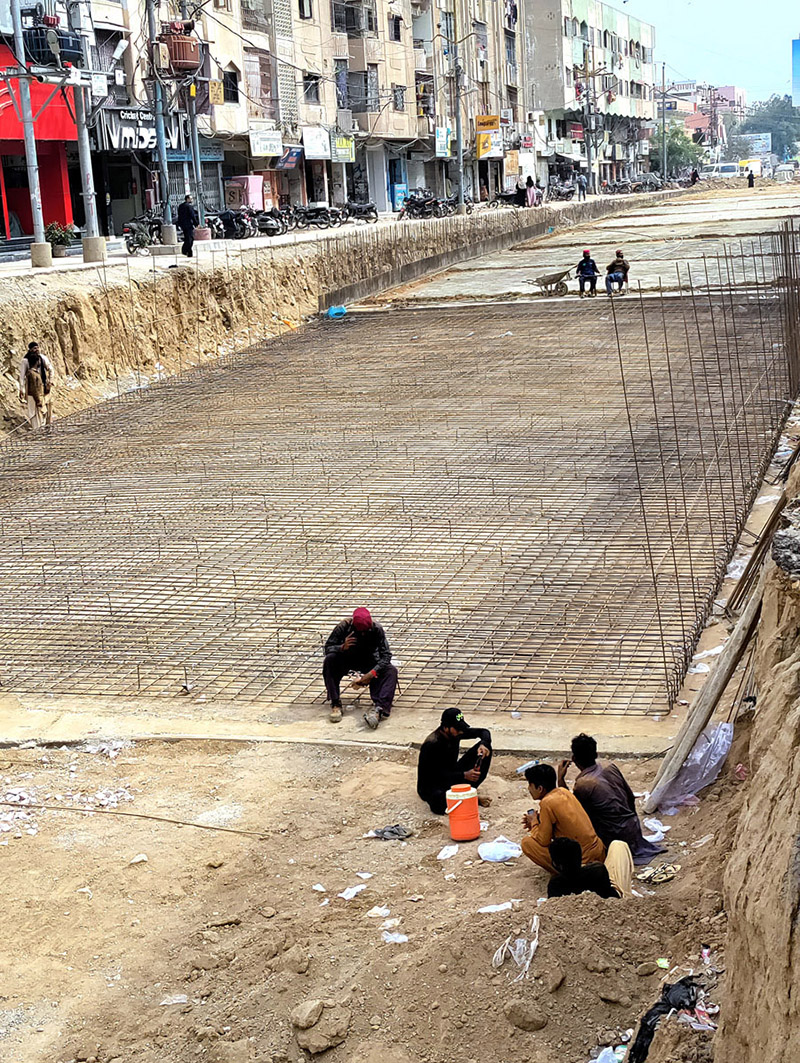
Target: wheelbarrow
{"points": [[553, 283]]}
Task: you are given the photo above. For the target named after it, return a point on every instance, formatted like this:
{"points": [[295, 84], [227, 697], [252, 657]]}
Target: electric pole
{"points": [[459, 128], [41, 252], [94, 246], [664, 121], [194, 139], [161, 138]]}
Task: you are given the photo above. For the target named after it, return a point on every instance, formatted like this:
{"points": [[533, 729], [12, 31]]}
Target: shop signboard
{"points": [[210, 151], [343, 148], [490, 145], [526, 142], [265, 142], [290, 159], [216, 93], [506, 116], [486, 123], [443, 134], [759, 143], [134, 129], [316, 142], [512, 163]]}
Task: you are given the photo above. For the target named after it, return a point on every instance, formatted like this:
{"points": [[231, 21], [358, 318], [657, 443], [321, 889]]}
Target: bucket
{"points": [[462, 811]]}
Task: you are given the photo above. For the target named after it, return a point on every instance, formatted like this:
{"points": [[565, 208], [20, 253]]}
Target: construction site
{"points": [[569, 516]]}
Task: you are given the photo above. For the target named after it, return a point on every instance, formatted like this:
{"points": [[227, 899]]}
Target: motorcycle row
{"points": [[142, 232], [422, 203]]}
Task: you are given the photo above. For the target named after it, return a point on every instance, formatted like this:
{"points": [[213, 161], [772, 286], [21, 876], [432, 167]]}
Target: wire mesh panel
{"points": [[536, 501]]}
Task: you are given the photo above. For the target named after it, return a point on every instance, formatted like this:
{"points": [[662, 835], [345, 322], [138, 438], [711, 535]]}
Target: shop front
{"points": [[55, 131], [125, 160]]}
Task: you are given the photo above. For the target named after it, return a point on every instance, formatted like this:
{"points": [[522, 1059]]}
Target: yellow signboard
{"points": [[216, 95], [486, 123], [489, 145]]}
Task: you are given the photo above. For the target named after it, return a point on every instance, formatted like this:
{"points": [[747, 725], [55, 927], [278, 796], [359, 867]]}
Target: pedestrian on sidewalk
{"points": [[440, 767], [587, 270], [530, 193], [187, 219], [617, 272], [560, 815], [608, 799], [751, 179], [359, 644], [582, 186], [35, 385]]}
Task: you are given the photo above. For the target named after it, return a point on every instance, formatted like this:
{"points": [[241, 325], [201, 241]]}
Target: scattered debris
{"points": [[500, 850], [447, 852], [140, 858], [390, 834], [351, 891], [521, 950]]}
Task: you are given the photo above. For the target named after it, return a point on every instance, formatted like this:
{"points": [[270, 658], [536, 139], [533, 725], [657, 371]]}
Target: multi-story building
{"points": [[591, 73]]}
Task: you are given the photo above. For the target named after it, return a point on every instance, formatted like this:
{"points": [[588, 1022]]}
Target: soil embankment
{"points": [[761, 1017]]}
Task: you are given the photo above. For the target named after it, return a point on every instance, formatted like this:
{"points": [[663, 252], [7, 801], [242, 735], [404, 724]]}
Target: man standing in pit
{"points": [[359, 644], [440, 766], [35, 384], [187, 219]]}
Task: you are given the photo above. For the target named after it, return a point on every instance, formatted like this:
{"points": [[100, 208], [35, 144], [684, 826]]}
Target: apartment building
{"points": [[591, 74]]}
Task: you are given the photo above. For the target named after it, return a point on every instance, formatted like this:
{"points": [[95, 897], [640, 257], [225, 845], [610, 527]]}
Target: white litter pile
{"points": [[24, 818]]}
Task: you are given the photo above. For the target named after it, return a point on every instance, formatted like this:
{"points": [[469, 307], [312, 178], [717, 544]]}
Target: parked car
{"points": [[720, 169]]}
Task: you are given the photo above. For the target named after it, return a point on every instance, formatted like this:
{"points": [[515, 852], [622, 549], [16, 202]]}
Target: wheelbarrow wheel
{"points": [[561, 288]]}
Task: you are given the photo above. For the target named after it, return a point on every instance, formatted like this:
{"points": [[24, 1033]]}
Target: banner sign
{"points": [[265, 142], [343, 148], [486, 123], [316, 142], [490, 145], [443, 134]]}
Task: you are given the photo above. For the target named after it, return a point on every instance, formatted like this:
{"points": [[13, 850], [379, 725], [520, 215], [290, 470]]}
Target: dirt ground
{"points": [[241, 931]]}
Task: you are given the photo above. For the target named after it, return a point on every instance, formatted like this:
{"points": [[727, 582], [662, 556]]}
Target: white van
{"points": [[720, 169]]}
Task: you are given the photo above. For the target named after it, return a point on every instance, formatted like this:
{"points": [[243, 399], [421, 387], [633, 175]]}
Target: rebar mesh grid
{"points": [[536, 502]]}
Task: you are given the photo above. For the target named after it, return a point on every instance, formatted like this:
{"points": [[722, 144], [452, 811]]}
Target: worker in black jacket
{"points": [[359, 644], [440, 766], [187, 220]]}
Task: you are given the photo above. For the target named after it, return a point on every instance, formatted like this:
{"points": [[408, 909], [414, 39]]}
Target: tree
{"points": [[777, 116], [682, 152]]}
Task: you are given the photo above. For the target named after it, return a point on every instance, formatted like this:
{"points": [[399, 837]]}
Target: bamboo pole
{"points": [[708, 699]]}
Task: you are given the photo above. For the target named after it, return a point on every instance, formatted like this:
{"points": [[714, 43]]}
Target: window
{"points": [[399, 97], [395, 23], [306, 8], [606, 39], [511, 47], [338, 16], [373, 87], [230, 86], [584, 31], [568, 70], [340, 78], [311, 88], [362, 89], [567, 27], [446, 26], [258, 78]]}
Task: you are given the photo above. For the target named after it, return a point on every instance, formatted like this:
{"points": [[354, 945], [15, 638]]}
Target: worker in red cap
{"points": [[358, 644], [587, 270]]}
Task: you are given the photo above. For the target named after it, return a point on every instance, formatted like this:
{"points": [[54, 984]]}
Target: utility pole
{"points": [[94, 245], [664, 121], [459, 126], [194, 140], [41, 252], [161, 137]]}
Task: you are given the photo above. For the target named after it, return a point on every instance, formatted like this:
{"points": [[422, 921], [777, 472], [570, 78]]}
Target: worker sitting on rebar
{"points": [[560, 815], [587, 270], [359, 644], [607, 799], [617, 273], [440, 767]]}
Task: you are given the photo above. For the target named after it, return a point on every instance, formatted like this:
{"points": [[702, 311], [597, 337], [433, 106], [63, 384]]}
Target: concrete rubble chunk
{"points": [[524, 1014], [329, 1029]]}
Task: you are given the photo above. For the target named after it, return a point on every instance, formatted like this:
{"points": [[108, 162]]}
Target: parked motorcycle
{"points": [[421, 204], [560, 191], [319, 217], [352, 211], [137, 237], [271, 222]]}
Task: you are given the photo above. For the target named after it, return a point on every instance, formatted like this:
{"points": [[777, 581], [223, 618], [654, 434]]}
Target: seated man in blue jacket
{"points": [[587, 270], [440, 766], [359, 644]]}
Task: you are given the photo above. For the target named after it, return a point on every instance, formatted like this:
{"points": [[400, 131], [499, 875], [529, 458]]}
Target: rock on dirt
{"points": [[320, 1025], [525, 1014]]}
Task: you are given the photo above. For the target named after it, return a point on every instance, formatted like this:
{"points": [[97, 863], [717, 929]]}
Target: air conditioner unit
{"points": [[344, 120]]}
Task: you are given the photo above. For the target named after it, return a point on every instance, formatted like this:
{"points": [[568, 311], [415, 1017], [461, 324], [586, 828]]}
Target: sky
{"points": [[724, 42]]}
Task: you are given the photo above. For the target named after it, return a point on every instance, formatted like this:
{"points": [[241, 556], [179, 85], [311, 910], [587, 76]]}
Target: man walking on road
{"points": [[359, 644], [440, 766], [187, 220], [582, 185]]}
